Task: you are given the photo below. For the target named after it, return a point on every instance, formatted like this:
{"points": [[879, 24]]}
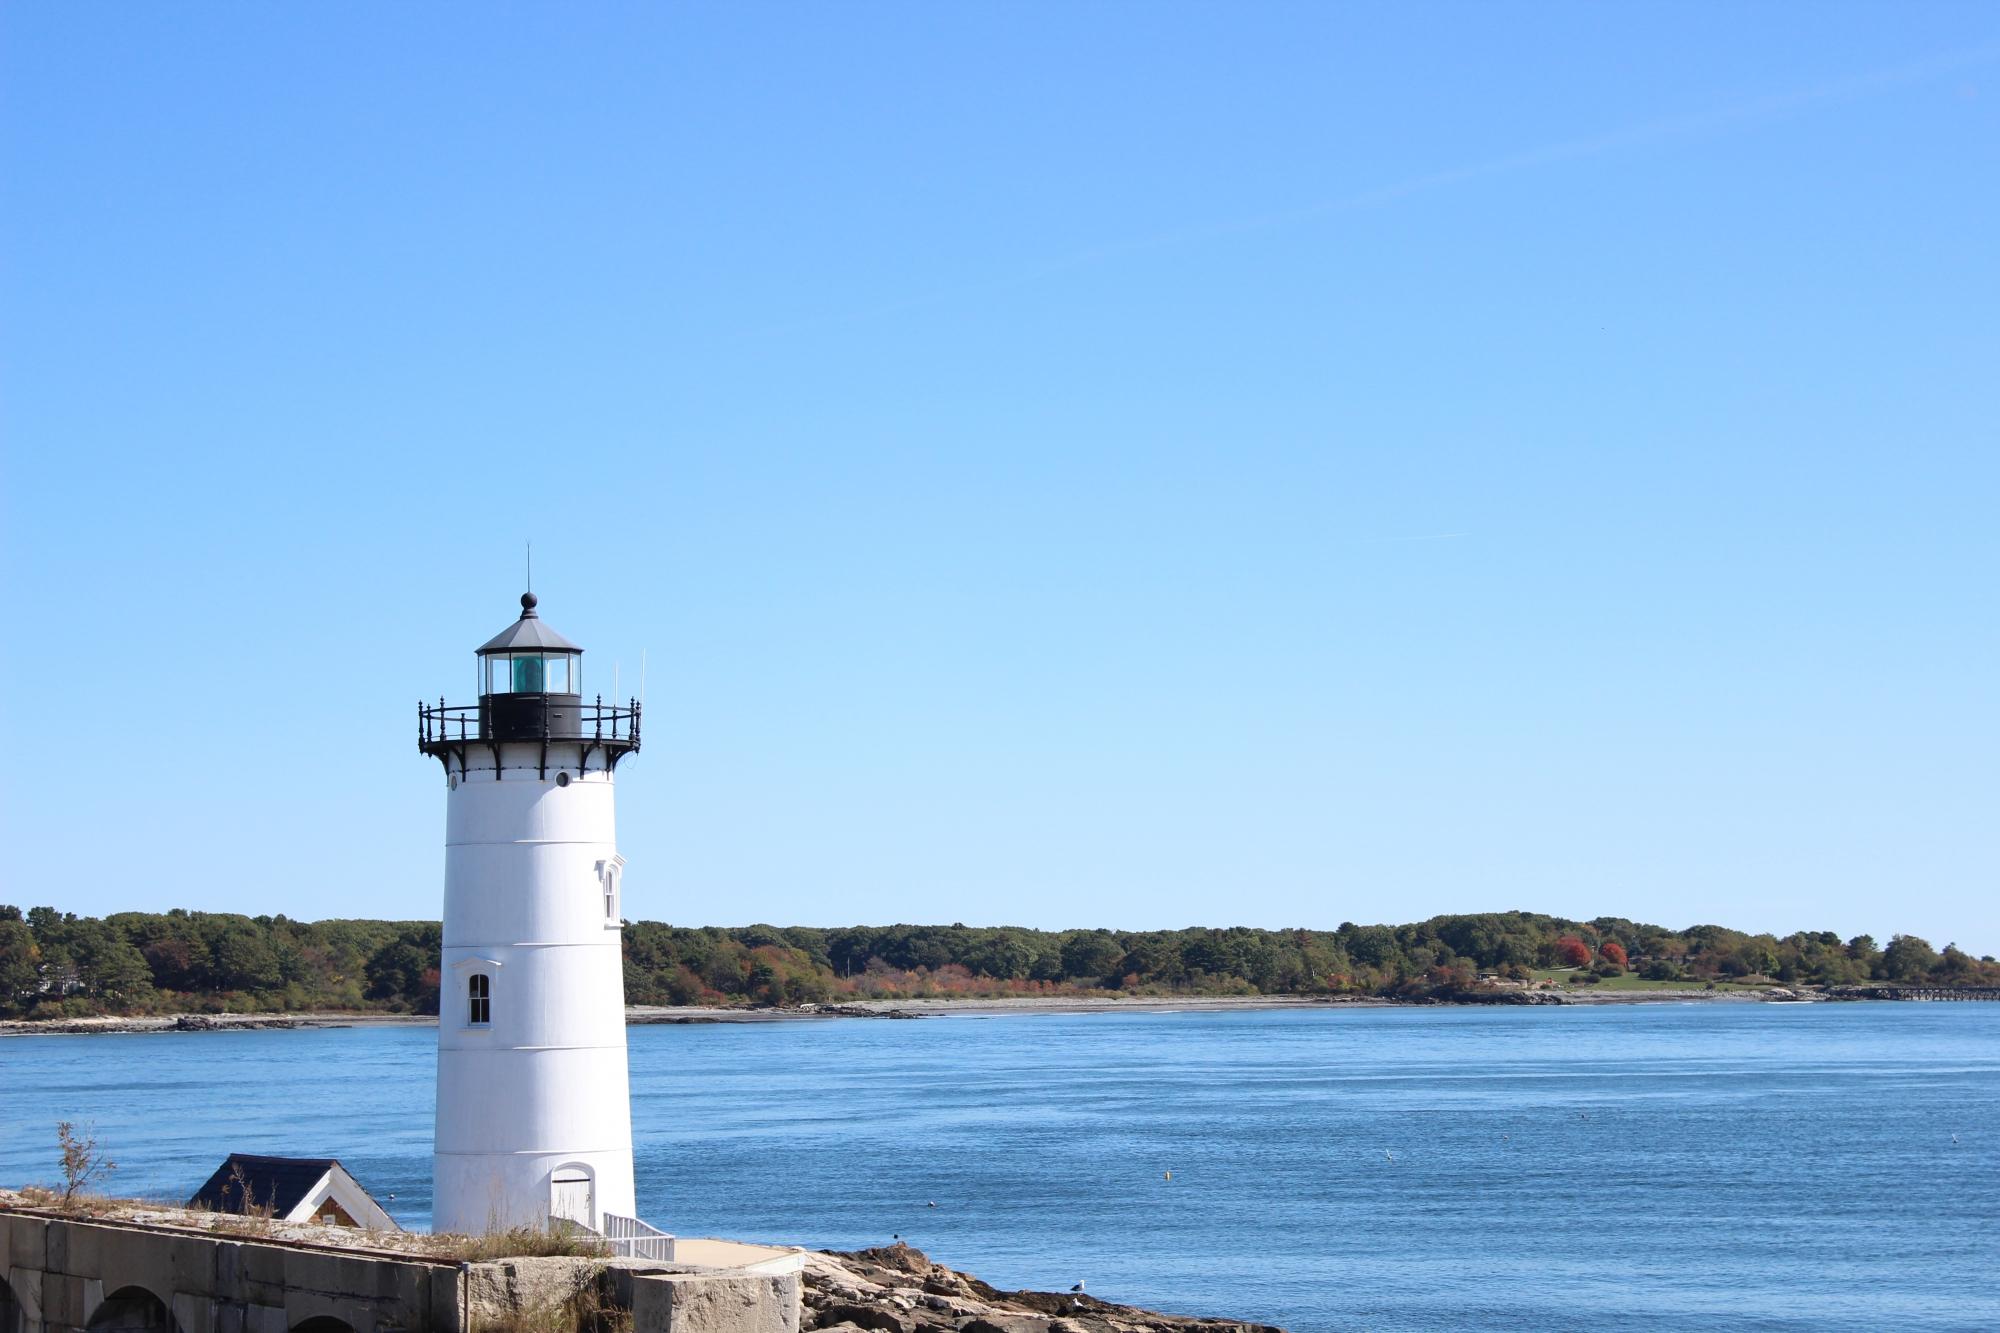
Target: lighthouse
{"points": [[534, 1120]]}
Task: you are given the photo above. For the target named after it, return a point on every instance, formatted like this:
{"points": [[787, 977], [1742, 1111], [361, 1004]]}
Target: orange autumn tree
{"points": [[1612, 952], [1572, 952]]}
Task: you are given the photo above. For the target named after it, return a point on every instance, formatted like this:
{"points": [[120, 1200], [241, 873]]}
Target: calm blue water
{"points": [[1762, 1166]]}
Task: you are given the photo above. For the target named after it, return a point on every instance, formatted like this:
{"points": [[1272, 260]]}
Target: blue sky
{"points": [[1063, 464]]}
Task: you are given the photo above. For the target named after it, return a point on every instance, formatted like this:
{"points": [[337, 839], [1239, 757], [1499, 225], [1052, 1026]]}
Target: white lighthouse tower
{"points": [[534, 1118]]}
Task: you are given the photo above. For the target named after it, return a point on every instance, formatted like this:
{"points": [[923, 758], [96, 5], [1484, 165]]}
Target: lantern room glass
{"points": [[531, 673]]}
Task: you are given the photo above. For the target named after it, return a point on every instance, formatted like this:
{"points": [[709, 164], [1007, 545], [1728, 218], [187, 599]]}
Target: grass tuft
{"points": [[519, 1243]]}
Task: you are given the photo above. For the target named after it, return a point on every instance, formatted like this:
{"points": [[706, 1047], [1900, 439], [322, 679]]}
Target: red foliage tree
{"points": [[1612, 952], [1572, 952]]}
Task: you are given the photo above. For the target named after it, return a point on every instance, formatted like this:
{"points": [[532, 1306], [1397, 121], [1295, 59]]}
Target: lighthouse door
{"points": [[569, 1198]]}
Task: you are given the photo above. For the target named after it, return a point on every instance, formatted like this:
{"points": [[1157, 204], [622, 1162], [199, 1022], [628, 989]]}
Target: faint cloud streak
{"points": [[1662, 130]]}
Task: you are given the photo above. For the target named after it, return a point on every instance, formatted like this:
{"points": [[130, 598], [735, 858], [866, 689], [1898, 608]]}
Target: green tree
{"points": [[1908, 958], [107, 965], [1157, 956], [1091, 955], [1955, 967], [404, 970], [1758, 954], [244, 959], [20, 974], [1007, 953], [1372, 946]]}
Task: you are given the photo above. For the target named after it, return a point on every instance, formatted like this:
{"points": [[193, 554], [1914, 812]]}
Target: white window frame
{"points": [[469, 968], [610, 873]]}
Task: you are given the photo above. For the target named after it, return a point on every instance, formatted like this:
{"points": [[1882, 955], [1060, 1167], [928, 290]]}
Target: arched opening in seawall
{"points": [[132, 1310]]}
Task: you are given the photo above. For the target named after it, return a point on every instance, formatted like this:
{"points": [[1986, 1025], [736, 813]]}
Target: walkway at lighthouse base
{"points": [[735, 1256]]}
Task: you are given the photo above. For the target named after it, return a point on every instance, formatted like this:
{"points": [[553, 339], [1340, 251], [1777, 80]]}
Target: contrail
{"points": [[1661, 130]]}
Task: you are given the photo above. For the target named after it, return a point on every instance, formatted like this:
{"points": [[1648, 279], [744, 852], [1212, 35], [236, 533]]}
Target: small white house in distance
{"points": [[292, 1189]]}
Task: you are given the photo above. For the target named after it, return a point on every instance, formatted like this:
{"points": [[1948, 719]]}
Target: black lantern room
{"points": [[530, 681], [530, 690]]}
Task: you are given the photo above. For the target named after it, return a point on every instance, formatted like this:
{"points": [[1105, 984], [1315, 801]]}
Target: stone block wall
{"points": [[74, 1274], [714, 1303], [64, 1273]]}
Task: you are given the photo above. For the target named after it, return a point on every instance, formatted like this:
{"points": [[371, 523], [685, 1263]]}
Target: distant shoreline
{"points": [[648, 1015], [637, 1015]]}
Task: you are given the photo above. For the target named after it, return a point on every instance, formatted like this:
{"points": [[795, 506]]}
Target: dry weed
{"points": [[518, 1243]]}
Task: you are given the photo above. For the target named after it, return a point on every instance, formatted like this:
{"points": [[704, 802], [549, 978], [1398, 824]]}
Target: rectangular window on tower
{"points": [[478, 1000]]}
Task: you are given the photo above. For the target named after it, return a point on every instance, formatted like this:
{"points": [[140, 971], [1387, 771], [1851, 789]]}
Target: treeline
{"points": [[55, 964], [58, 964]]}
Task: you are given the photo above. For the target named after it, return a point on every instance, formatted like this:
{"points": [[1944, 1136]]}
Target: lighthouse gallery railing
{"points": [[444, 723]]}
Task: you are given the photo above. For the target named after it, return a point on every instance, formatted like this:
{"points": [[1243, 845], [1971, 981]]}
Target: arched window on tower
{"points": [[608, 872], [478, 999]]}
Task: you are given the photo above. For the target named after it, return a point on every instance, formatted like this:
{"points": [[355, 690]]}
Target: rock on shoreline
{"points": [[637, 1015], [897, 1289]]}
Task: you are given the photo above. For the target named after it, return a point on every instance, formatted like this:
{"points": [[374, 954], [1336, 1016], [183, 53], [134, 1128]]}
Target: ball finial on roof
{"points": [[528, 604]]}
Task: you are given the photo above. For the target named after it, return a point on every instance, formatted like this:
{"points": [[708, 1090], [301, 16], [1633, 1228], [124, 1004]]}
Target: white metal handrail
{"points": [[630, 1238]]}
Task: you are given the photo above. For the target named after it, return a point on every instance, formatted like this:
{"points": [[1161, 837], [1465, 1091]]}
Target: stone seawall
{"points": [[69, 1275], [69, 1272]]}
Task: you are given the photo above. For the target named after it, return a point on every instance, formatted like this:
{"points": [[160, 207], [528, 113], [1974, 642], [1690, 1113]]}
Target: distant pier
{"points": [[1913, 992]]}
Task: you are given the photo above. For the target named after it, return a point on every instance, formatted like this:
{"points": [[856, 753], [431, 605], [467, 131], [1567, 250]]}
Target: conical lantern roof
{"points": [[527, 635]]}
